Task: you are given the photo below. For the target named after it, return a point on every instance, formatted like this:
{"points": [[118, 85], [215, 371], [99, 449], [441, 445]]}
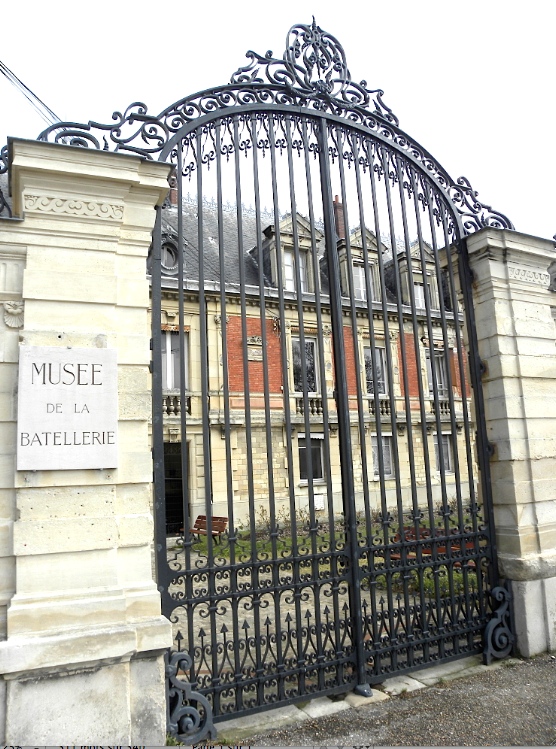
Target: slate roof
{"points": [[230, 239]]}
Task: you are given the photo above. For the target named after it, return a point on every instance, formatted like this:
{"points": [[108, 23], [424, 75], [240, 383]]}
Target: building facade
{"points": [[401, 364]]}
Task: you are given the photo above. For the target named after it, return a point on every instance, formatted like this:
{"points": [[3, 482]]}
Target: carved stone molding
{"points": [[518, 273], [13, 314], [74, 207]]}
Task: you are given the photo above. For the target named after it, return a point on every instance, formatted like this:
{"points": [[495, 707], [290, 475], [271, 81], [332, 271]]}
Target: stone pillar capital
{"points": [[505, 256], [89, 183]]}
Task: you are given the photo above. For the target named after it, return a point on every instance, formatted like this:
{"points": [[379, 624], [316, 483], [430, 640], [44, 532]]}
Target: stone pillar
{"points": [[517, 342], [82, 658]]}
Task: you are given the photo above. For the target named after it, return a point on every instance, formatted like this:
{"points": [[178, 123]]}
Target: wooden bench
{"points": [[425, 541], [219, 526]]}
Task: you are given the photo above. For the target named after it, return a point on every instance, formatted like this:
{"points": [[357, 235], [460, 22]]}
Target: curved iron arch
{"points": [[312, 75], [464, 219]]}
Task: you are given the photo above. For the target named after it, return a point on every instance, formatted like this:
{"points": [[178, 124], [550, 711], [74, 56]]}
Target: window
{"points": [[380, 368], [447, 454], [419, 295], [171, 360], [310, 361], [169, 258], [314, 444], [360, 284], [386, 455], [289, 271], [440, 371]]}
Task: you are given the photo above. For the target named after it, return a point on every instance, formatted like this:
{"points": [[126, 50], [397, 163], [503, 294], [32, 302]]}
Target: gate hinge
{"points": [[151, 344], [151, 367], [490, 447], [482, 366]]}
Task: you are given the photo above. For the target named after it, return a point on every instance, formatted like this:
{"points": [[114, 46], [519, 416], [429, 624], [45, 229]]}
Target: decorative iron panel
{"points": [[333, 531]]}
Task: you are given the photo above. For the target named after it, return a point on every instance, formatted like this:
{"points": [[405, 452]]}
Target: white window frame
{"points": [[170, 364], [448, 453], [440, 370], [419, 298], [380, 353], [313, 438], [316, 361], [290, 273], [360, 281], [387, 454]]}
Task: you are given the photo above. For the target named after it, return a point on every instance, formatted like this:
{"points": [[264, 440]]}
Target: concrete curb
{"points": [[233, 731]]}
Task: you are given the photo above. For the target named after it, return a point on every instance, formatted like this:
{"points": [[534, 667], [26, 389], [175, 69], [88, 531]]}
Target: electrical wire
{"points": [[40, 107]]}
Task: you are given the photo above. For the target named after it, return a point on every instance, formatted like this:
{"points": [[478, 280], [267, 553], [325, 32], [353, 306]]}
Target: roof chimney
{"points": [[339, 218], [173, 194]]}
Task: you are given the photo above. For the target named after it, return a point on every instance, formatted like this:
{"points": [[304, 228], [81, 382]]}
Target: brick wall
{"points": [[455, 374], [350, 369], [413, 366], [256, 374]]}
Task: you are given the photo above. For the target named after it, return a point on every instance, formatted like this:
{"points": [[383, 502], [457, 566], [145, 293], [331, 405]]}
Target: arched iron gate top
{"points": [[313, 77]]}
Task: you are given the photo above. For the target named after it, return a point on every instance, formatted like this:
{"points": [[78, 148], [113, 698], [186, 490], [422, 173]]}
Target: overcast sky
{"points": [[472, 82]]}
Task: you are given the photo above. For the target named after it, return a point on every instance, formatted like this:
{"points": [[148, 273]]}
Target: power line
{"points": [[40, 107]]}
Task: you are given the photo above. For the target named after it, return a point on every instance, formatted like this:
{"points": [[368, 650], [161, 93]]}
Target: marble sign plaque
{"points": [[67, 408]]}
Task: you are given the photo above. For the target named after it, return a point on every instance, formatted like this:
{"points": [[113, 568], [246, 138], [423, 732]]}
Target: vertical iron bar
{"points": [[385, 518], [246, 383], [281, 666], [187, 537], [297, 586], [232, 537], [161, 560], [342, 405], [325, 423], [385, 156], [464, 377], [354, 328], [205, 405], [255, 576]]}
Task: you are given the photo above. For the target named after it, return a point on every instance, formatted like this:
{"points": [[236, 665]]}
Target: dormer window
{"points": [[359, 284], [169, 258], [419, 295], [360, 281], [290, 274]]}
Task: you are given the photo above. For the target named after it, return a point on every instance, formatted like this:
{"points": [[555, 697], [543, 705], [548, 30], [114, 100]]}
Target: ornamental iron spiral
{"points": [[312, 74]]}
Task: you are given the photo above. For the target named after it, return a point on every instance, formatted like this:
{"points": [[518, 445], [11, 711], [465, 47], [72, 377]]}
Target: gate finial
{"points": [[314, 65]]}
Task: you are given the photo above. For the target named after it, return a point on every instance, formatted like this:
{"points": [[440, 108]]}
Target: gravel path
{"points": [[511, 706]]}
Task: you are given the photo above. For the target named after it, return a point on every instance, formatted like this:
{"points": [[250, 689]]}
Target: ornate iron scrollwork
{"points": [[189, 713], [314, 64], [499, 638], [5, 209], [313, 74]]}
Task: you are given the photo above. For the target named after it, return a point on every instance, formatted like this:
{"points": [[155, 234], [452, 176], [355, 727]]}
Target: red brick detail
{"points": [[349, 367], [455, 373], [256, 372], [413, 367], [339, 218]]}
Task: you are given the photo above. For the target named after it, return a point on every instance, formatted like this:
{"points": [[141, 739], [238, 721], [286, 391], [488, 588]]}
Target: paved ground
{"points": [[512, 703]]}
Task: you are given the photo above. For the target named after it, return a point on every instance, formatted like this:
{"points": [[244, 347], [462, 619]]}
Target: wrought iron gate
{"points": [[314, 350]]}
